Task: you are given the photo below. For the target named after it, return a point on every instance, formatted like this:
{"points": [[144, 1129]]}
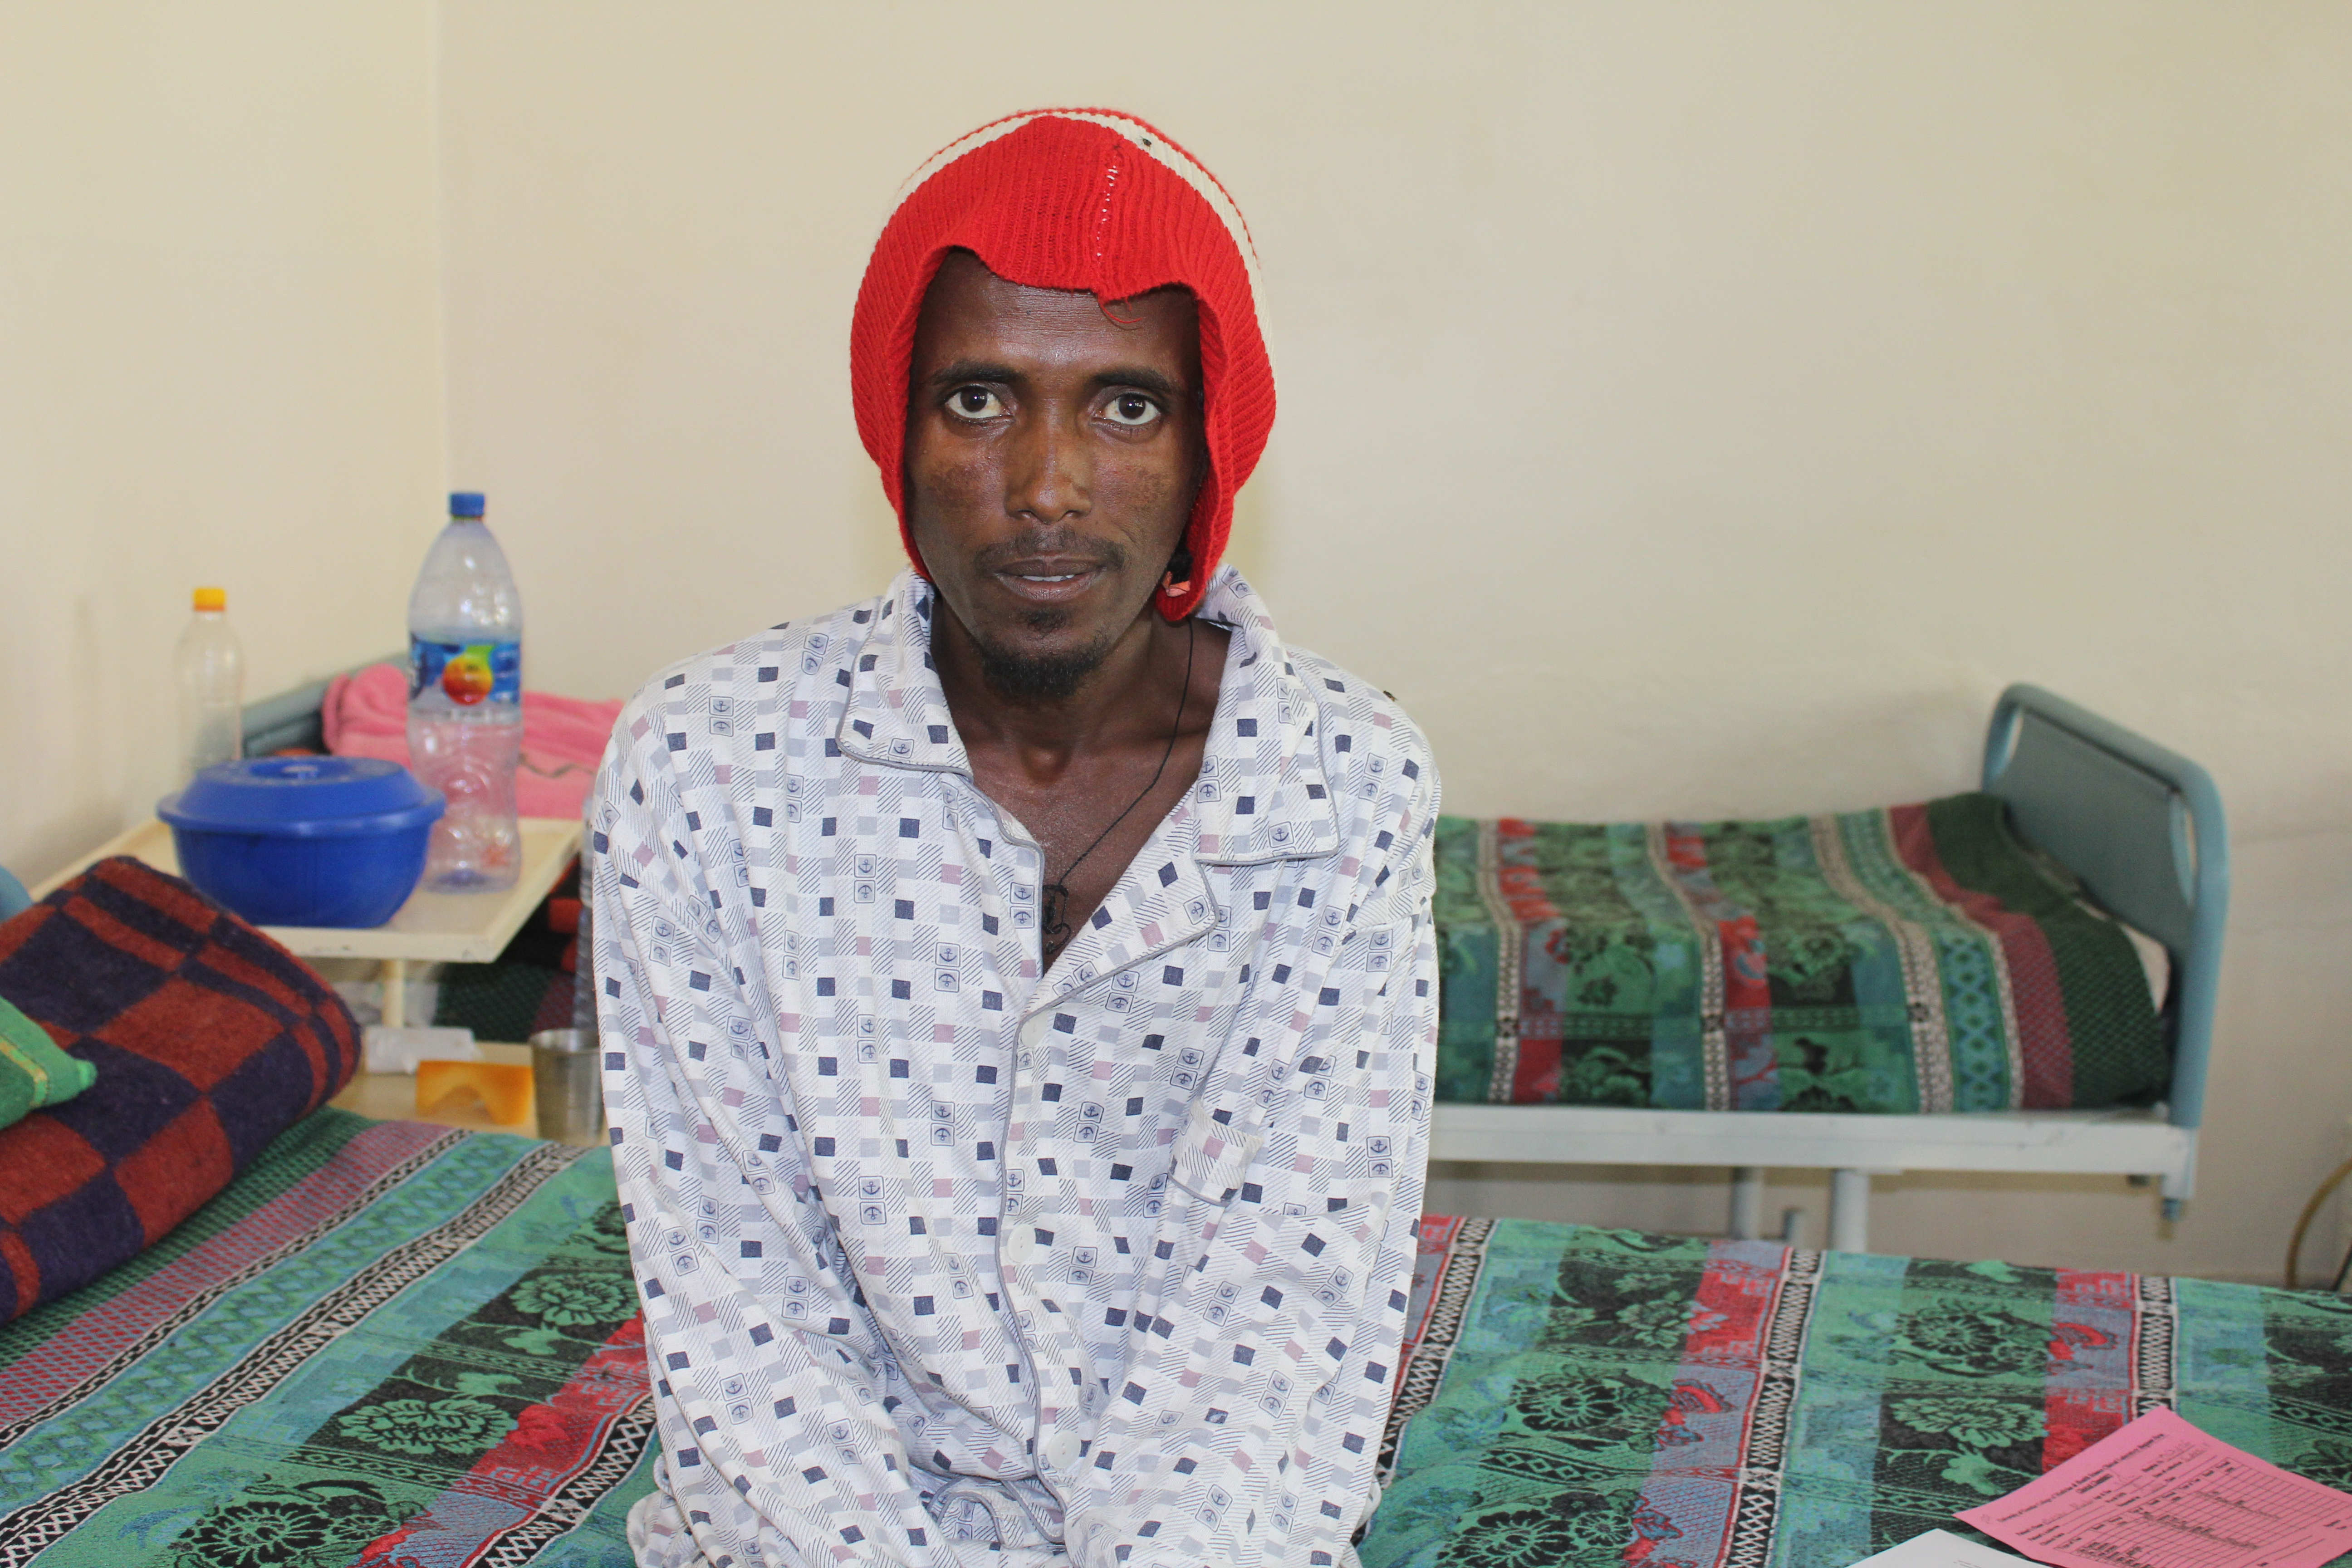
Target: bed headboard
{"points": [[293, 717], [2143, 829]]}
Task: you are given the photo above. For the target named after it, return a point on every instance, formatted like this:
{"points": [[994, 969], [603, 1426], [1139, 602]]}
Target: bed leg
{"points": [[1746, 1202], [1850, 1210], [2177, 1186]]}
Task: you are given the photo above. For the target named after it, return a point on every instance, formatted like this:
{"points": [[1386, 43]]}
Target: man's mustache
{"points": [[1107, 554]]}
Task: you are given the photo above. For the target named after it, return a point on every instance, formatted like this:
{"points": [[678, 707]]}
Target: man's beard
{"points": [[1022, 677], [1041, 676]]}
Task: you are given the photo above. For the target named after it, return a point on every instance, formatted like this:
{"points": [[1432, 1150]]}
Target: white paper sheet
{"points": [[1942, 1548]]}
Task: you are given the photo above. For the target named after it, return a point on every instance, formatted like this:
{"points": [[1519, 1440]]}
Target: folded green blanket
{"points": [[1919, 958], [33, 1072]]}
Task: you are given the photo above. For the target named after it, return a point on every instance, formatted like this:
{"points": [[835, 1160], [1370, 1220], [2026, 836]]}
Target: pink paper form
{"points": [[2161, 1494]]}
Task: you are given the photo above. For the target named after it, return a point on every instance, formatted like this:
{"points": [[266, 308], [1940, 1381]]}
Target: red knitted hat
{"points": [[1075, 198]]}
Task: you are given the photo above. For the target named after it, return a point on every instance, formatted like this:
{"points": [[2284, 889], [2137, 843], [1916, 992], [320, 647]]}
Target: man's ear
{"points": [[1178, 580]]}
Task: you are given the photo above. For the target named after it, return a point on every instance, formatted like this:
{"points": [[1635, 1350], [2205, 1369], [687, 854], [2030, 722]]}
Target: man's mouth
{"points": [[1048, 582]]}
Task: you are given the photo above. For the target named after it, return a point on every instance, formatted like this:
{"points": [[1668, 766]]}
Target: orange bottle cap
{"points": [[212, 598]]}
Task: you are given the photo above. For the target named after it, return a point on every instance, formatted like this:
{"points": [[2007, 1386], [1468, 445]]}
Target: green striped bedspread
{"points": [[400, 1346], [385, 1341], [1913, 959], [1583, 1398]]}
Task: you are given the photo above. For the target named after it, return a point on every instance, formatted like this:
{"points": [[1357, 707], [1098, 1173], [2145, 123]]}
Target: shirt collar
{"points": [[897, 714], [1262, 793]]}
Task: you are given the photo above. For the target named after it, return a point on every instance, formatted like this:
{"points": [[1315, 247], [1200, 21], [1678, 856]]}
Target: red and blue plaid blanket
{"points": [[209, 1039]]}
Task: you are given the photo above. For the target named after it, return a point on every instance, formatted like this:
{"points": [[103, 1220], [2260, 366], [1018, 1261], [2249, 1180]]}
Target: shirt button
{"points": [[1061, 1451], [1033, 1033], [1016, 1248]]}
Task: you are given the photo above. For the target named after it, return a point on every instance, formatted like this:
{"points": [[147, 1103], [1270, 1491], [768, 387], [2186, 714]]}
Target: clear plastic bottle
{"points": [[465, 702], [211, 670]]}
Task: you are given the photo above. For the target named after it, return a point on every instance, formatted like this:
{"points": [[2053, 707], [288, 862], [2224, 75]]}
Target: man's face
{"points": [[1051, 458]]}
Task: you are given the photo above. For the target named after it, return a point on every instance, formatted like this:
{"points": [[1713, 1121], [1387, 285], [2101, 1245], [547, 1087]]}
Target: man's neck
{"points": [[1126, 699], [1090, 775]]}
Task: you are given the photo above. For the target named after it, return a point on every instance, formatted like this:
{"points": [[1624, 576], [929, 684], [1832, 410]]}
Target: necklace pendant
{"points": [[1054, 930]]}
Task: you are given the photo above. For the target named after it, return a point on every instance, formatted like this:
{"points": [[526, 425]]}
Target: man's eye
{"points": [[975, 403], [1132, 408]]}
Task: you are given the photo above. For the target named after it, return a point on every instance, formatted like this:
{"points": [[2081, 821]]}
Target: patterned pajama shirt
{"points": [[947, 1262]]}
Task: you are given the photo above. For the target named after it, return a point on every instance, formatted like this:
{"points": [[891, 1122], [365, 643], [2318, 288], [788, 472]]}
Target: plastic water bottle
{"points": [[211, 667], [465, 702]]}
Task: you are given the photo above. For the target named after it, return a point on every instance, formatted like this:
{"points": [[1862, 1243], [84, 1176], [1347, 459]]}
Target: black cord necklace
{"points": [[1055, 931]]}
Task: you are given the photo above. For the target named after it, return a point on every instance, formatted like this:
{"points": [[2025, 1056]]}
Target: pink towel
{"points": [[366, 715]]}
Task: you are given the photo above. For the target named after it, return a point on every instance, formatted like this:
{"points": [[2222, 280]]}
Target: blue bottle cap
{"points": [[465, 503]]}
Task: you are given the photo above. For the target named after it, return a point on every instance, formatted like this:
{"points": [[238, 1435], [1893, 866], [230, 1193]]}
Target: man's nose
{"points": [[1050, 479]]}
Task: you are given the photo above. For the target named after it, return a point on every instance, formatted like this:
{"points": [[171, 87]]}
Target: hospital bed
{"points": [[390, 1343], [2142, 828]]}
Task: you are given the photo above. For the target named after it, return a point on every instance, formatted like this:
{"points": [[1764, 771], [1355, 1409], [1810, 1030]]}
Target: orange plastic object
{"points": [[503, 1087]]}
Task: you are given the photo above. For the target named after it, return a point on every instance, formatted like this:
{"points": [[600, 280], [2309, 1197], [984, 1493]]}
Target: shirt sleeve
{"points": [[770, 1375], [1263, 1348]]}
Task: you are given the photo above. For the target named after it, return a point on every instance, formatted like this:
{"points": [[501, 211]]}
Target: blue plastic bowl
{"points": [[304, 841]]}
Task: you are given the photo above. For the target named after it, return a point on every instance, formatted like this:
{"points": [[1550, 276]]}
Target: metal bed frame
{"points": [[2142, 828]]}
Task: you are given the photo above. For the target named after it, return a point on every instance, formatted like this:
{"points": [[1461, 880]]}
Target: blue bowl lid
{"points": [[302, 797]]}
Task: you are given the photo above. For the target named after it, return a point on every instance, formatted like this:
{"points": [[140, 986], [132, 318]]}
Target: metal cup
{"points": [[570, 1090]]}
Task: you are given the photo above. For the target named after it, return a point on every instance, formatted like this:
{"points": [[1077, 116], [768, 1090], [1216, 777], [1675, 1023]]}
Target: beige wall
{"points": [[220, 362], [1694, 408], [1691, 408]]}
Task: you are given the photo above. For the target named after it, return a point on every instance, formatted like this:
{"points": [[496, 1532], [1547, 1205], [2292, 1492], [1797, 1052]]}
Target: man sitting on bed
{"points": [[1019, 990]]}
